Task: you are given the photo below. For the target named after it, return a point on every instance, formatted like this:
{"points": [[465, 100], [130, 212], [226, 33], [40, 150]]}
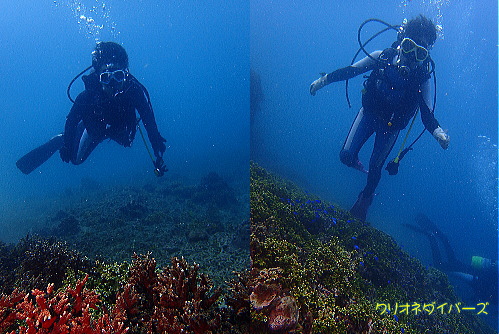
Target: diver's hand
{"points": [[442, 137], [318, 84], [159, 167], [65, 153]]}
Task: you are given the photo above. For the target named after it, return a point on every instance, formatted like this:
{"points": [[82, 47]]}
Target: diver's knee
{"points": [[77, 160], [347, 158]]}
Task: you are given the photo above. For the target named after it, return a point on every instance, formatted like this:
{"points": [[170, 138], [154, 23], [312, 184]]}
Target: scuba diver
{"points": [[399, 85], [481, 274], [104, 110]]}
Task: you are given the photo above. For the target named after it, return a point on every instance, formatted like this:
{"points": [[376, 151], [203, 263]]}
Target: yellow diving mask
{"points": [[408, 45]]}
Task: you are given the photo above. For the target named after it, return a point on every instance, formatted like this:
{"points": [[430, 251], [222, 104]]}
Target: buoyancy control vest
{"points": [[391, 92]]}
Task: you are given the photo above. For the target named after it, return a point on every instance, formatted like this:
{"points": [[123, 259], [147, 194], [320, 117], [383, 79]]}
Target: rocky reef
{"points": [[206, 222], [316, 269]]}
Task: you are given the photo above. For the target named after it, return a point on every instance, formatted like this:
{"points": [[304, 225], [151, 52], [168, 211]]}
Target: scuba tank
{"points": [[481, 263]]}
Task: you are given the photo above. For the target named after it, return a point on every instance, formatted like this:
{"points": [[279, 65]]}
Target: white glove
{"points": [[318, 84], [442, 137]]}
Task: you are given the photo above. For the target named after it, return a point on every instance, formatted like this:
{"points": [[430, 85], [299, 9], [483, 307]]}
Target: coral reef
{"points": [[238, 300], [273, 307], [8, 263], [177, 299], [35, 262], [207, 223], [315, 269]]}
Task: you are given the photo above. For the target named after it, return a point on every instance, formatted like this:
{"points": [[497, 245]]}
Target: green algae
{"points": [[340, 269]]}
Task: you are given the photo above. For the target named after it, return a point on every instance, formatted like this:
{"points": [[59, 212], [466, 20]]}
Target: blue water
{"points": [[192, 57], [300, 136]]}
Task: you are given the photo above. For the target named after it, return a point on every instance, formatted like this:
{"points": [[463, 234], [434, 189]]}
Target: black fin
{"points": [[35, 158]]}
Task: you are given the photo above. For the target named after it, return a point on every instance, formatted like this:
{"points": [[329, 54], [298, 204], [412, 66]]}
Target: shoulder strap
{"points": [[143, 88]]}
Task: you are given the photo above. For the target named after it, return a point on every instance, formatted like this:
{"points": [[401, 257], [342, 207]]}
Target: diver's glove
{"points": [[318, 84], [65, 153], [442, 137]]}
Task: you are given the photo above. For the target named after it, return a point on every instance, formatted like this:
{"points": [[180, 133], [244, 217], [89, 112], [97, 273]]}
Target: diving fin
{"points": [[359, 209], [35, 158]]}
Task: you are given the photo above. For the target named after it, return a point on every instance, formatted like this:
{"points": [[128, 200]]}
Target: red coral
{"points": [[173, 301], [7, 306], [238, 302], [176, 300], [65, 312]]}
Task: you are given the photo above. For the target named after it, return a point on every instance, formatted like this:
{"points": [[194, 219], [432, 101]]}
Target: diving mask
{"points": [[118, 76], [408, 45]]}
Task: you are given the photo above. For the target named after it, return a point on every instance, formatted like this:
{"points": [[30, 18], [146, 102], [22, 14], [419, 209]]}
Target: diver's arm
{"points": [[426, 107], [345, 73], [427, 116], [146, 113]]}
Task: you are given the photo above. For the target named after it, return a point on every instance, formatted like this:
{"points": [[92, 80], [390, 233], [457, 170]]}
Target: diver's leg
{"points": [[362, 128], [430, 230], [383, 144], [452, 264], [84, 146]]}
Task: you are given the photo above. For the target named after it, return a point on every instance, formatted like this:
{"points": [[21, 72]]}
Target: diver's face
{"points": [[112, 80], [407, 59], [112, 88]]}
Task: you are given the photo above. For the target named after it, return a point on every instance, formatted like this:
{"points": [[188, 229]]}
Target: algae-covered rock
{"points": [[343, 274]]}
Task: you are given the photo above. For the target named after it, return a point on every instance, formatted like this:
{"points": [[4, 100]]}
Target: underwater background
{"points": [[192, 57], [299, 136]]}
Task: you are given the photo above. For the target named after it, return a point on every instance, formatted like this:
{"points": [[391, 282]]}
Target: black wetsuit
{"points": [[95, 117]]}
